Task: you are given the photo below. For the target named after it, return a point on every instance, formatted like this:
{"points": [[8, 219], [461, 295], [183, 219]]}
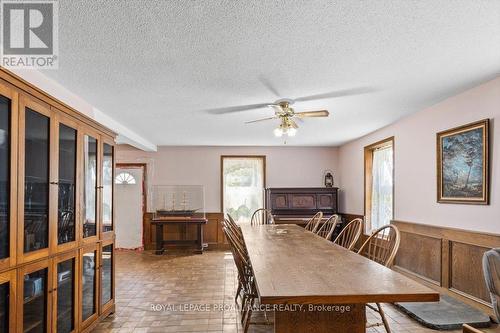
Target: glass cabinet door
{"points": [[65, 296], [4, 306], [67, 183], [8, 301], [107, 188], [89, 208], [107, 273], [34, 286], [89, 272], [36, 181], [5, 116]]}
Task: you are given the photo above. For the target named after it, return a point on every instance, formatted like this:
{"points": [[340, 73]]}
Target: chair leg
{"points": [[249, 315], [243, 311], [265, 316], [384, 320], [238, 291]]}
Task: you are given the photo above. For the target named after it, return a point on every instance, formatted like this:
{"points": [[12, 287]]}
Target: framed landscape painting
{"points": [[462, 164]]}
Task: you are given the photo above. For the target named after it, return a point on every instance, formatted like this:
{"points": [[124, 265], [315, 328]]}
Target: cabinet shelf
{"points": [[33, 298], [33, 326], [63, 313]]}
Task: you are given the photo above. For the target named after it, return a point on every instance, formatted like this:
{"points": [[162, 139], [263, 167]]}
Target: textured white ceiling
{"points": [[156, 66]]}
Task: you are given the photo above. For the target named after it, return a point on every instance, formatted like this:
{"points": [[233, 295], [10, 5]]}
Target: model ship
{"points": [[184, 212]]}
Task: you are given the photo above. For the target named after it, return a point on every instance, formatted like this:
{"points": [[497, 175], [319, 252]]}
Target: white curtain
{"points": [[382, 182], [243, 186]]}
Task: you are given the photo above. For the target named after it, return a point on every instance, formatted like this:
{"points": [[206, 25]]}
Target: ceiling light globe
{"points": [[292, 131], [278, 132]]}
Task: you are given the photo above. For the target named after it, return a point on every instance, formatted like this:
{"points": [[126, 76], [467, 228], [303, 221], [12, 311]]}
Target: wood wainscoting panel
{"points": [[464, 277], [420, 255], [213, 228], [349, 217], [147, 236], [450, 259]]}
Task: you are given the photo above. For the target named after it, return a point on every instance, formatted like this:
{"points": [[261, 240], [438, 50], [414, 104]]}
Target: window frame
{"points": [[125, 173], [368, 178], [264, 170]]}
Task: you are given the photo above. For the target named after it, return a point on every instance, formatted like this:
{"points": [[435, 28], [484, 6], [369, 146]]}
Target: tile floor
{"points": [[152, 290]]}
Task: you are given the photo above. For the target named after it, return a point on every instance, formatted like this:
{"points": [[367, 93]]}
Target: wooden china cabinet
{"points": [[56, 213]]}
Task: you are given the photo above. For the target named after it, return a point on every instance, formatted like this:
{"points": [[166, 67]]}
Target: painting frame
{"points": [[442, 197]]}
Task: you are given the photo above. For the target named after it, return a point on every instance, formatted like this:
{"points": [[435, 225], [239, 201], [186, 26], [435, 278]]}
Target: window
{"points": [[379, 184], [243, 182], [125, 178]]}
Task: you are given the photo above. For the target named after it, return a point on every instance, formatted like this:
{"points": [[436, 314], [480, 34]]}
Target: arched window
{"points": [[125, 178]]}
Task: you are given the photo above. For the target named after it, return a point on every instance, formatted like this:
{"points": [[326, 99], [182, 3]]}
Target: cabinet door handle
{"points": [[54, 183]]}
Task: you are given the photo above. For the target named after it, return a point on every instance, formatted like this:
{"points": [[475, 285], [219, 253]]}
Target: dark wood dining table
{"points": [[316, 286]]}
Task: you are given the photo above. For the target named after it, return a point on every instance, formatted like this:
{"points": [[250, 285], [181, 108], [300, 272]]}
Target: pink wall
{"points": [[286, 166], [415, 163]]}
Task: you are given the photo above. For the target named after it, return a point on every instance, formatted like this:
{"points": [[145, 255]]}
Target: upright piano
{"points": [[297, 205]]}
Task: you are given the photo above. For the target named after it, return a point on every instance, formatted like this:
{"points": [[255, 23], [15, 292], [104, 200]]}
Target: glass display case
{"points": [[56, 214], [178, 200]]}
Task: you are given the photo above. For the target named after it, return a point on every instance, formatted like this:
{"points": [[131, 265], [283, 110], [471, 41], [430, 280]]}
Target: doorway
{"points": [[130, 201]]}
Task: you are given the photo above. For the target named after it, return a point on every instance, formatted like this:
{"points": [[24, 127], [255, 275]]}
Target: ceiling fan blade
{"points": [[277, 109], [294, 124], [238, 108], [262, 119], [321, 113], [269, 86], [337, 93]]}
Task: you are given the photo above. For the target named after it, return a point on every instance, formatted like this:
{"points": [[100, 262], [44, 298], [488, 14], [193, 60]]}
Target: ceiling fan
{"points": [[286, 114], [283, 110]]}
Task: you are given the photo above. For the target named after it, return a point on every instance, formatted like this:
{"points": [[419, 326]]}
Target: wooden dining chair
{"points": [[233, 225], [234, 238], [469, 329], [245, 278], [328, 227], [350, 234], [235, 233], [382, 247], [314, 221], [262, 216], [491, 272]]}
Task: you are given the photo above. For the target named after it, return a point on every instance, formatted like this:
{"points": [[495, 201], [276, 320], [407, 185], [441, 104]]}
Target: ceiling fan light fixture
{"points": [[291, 131]]}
